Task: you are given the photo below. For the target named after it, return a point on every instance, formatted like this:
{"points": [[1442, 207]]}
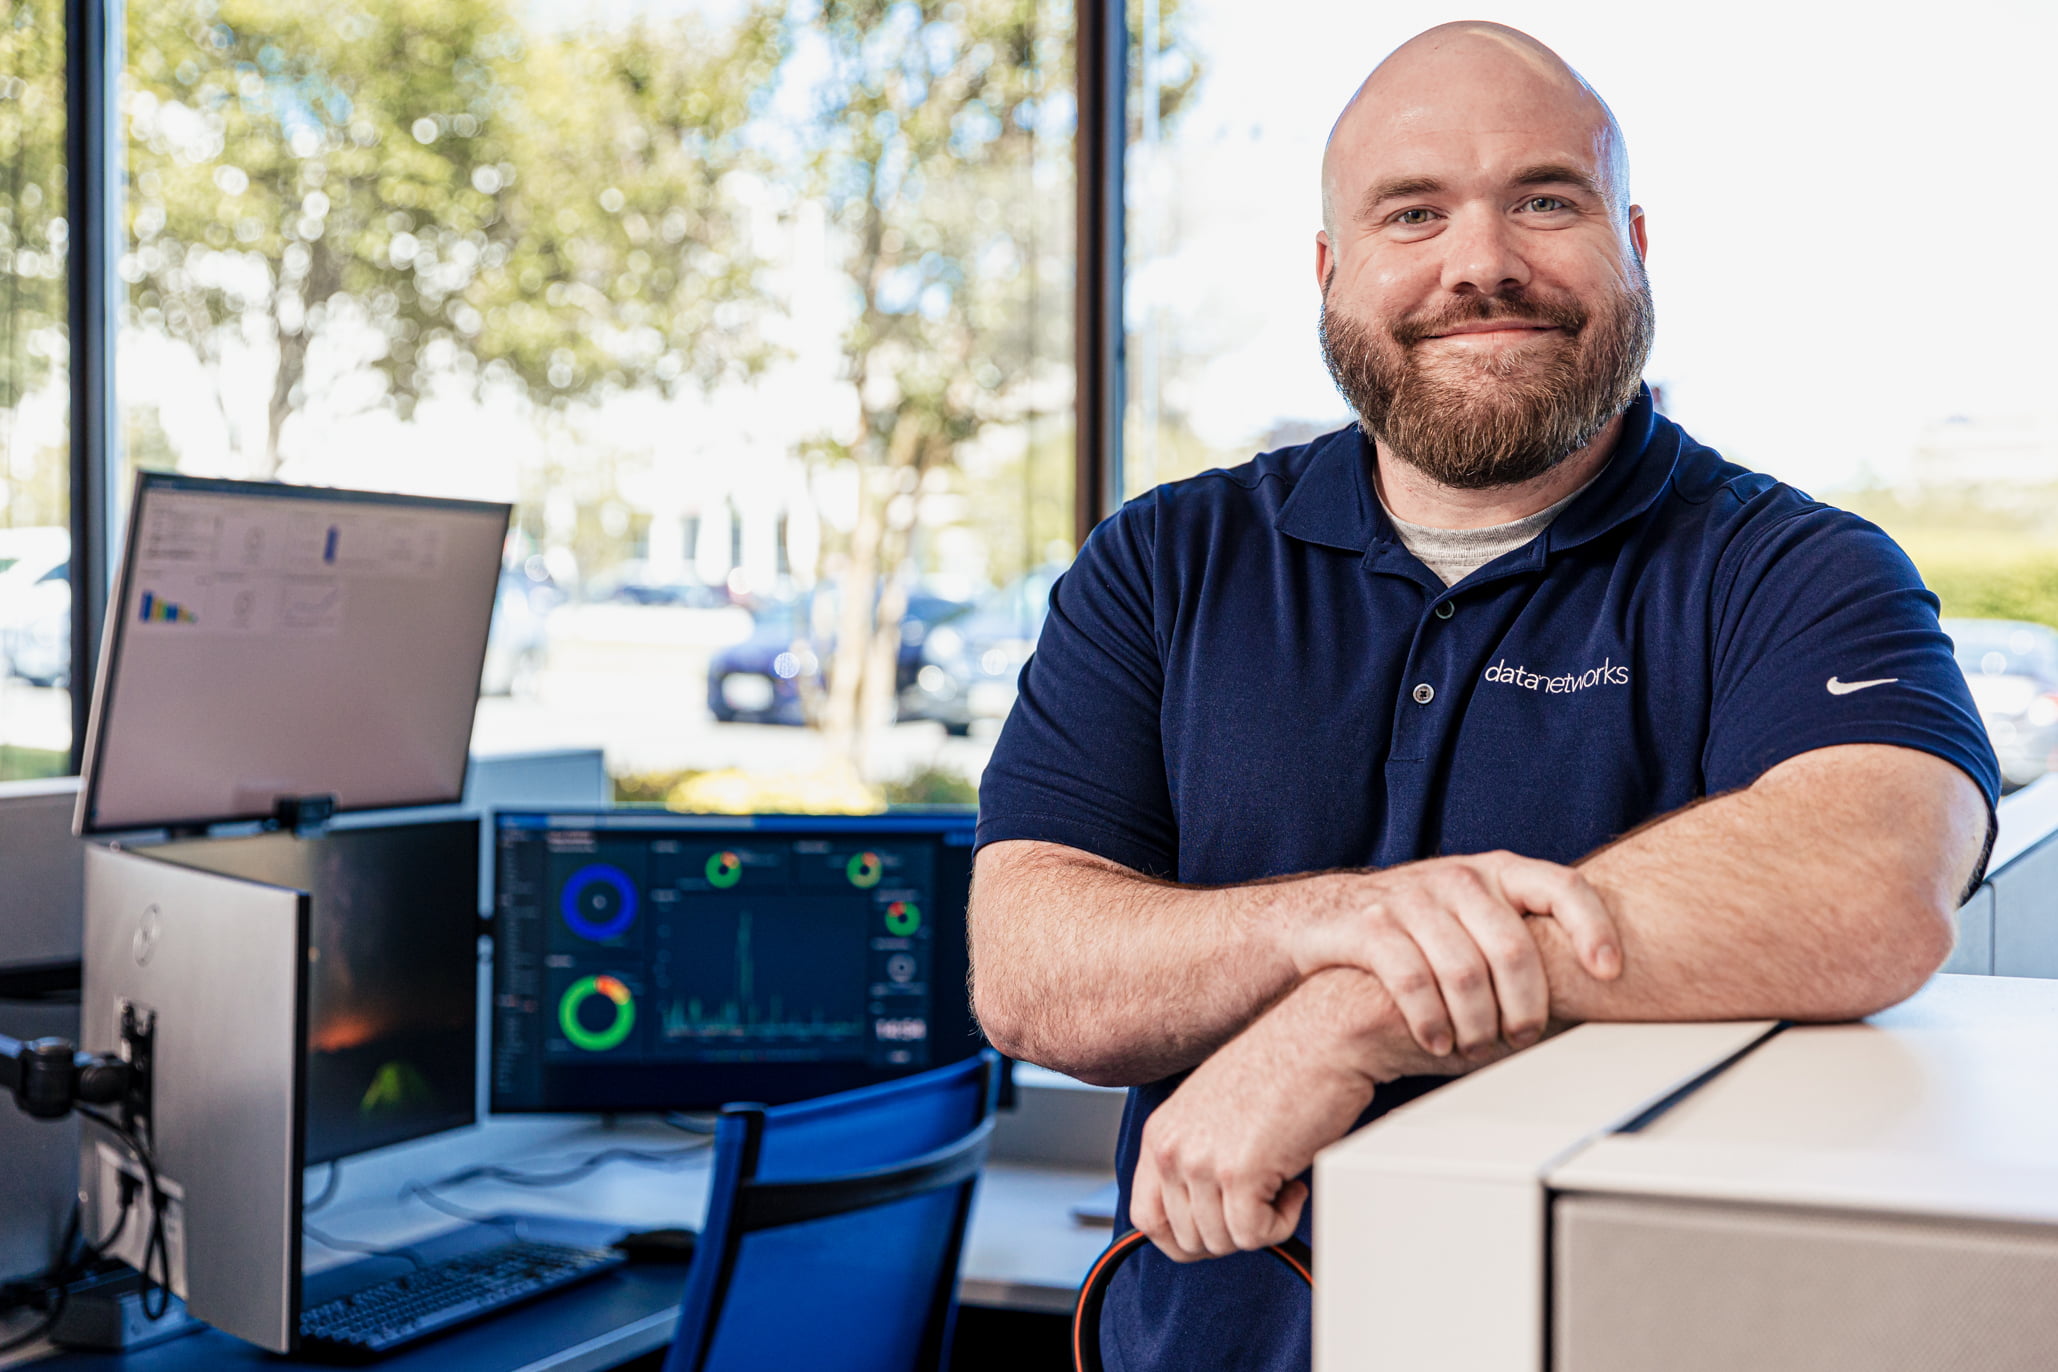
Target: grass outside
{"points": [[1996, 559], [23, 764], [828, 790]]}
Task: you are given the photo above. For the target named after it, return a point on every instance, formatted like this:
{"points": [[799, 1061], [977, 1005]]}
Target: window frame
{"points": [[93, 56], [93, 63]]}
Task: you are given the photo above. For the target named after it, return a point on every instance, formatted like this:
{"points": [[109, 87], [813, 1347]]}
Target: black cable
{"points": [[565, 1176], [52, 1312], [329, 1188], [52, 1288], [375, 1250], [425, 1191], [156, 1249], [95, 1251], [420, 1191]]}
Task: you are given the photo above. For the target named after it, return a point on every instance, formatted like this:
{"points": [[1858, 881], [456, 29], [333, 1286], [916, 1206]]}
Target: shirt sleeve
{"points": [[1826, 635], [1080, 760]]}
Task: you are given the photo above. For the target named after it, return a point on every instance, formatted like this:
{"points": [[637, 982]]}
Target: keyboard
{"points": [[423, 1303]]}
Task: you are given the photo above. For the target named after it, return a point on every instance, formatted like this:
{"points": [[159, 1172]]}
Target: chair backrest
{"points": [[834, 1227]]}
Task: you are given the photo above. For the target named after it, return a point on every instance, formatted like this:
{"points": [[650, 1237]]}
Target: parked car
{"points": [[2012, 667], [970, 665], [28, 559], [762, 680], [35, 638], [635, 583]]}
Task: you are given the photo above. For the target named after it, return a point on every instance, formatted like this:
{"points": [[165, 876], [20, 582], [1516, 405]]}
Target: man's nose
{"points": [[1481, 256]]}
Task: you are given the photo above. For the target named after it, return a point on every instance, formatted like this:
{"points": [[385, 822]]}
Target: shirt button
{"points": [[1446, 610], [1424, 693]]}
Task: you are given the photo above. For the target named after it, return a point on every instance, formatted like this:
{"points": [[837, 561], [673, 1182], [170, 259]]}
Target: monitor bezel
{"points": [[85, 819], [719, 1084]]}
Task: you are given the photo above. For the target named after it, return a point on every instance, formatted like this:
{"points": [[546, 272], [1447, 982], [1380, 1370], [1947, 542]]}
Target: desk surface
{"points": [[1024, 1251]]}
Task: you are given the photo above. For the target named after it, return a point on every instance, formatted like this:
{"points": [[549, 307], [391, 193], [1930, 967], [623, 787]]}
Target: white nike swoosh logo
{"points": [[1844, 688]]}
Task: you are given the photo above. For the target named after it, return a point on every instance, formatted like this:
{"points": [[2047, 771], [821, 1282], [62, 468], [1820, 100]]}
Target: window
{"points": [[1845, 224], [760, 316], [1828, 305], [35, 400]]}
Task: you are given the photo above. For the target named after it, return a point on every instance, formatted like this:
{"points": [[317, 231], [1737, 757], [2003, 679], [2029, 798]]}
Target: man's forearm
{"points": [[1089, 967], [1822, 892], [1113, 977], [1792, 899], [1346, 1018]]}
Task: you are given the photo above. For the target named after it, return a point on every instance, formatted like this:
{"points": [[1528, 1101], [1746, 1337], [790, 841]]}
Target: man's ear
{"points": [[1325, 259], [1639, 233]]}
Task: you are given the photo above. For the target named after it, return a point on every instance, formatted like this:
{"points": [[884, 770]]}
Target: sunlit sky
{"points": [[1851, 218]]}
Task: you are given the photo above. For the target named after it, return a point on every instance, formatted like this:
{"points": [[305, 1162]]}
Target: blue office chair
{"points": [[834, 1227]]}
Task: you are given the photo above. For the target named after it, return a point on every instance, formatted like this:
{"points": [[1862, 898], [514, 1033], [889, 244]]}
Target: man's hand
{"points": [[1217, 1170], [1448, 939]]}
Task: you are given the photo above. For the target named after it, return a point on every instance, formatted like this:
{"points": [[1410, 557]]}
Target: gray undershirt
{"points": [[1454, 554]]}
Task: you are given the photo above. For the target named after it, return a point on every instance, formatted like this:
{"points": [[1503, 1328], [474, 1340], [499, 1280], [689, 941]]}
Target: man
{"points": [[1344, 771]]}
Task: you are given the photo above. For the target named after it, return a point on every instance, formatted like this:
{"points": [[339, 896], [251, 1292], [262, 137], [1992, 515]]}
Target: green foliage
{"points": [[929, 153], [32, 196], [1178, 65], [2001, 581], [430, 190], [925, 157], [924, 786], [1987, 555], [932, 786], [24, 764], [647, 788], [632, 262]]}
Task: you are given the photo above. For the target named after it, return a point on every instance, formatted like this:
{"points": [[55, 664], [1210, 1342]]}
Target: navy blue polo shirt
{"points": [[1246, 674]]}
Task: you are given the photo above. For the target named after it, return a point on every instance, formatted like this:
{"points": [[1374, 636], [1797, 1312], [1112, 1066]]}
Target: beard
{"points": [[1504, 416]]}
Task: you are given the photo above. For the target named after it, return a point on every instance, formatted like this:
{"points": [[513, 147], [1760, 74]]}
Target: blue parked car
{"points": [[969, 666], [761, 680]]}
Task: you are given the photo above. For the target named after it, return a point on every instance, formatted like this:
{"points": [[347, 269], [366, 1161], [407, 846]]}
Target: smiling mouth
{"points": [[1497, 332]]}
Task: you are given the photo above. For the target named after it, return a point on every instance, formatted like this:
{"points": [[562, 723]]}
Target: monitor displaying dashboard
{"points": [[269, 642], [656, 961], [392, 978]]}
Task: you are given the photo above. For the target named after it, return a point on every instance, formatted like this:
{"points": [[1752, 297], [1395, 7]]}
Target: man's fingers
{"points": [[1519, 984], [1254, 1220], [1186, 1245], [1146, 1203], [1288, 1204], [1204, 1209], [1407, 976], [1545, 888], [1462, 976]]}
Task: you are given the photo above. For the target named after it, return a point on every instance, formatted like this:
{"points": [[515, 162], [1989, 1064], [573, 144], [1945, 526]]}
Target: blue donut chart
{"points": [[575, 890]]}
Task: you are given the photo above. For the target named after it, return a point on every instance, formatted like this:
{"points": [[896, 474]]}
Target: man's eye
{"points": [[1544, 204], [1413, 218]]}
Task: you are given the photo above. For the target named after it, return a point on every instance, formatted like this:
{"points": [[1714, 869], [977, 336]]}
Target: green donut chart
{"points": [[864, 870], [724, 870], [607, 988], [903, 917]]}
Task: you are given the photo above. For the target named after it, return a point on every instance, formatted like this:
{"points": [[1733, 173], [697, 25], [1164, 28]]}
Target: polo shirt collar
{"points": [[1333, 503]]}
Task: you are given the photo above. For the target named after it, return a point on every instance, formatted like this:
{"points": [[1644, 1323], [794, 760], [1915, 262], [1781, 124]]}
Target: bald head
{"points": [[1467, 77]]}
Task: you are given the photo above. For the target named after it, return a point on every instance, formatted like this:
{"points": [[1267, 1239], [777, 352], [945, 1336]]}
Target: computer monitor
{"points": [[269, 642], [673, 962], [212, 970], [392, 1004]]}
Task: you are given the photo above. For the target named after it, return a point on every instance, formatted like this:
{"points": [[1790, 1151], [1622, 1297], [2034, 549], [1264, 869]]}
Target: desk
{"points": [[1023, 1250], [1705, 1197]]}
